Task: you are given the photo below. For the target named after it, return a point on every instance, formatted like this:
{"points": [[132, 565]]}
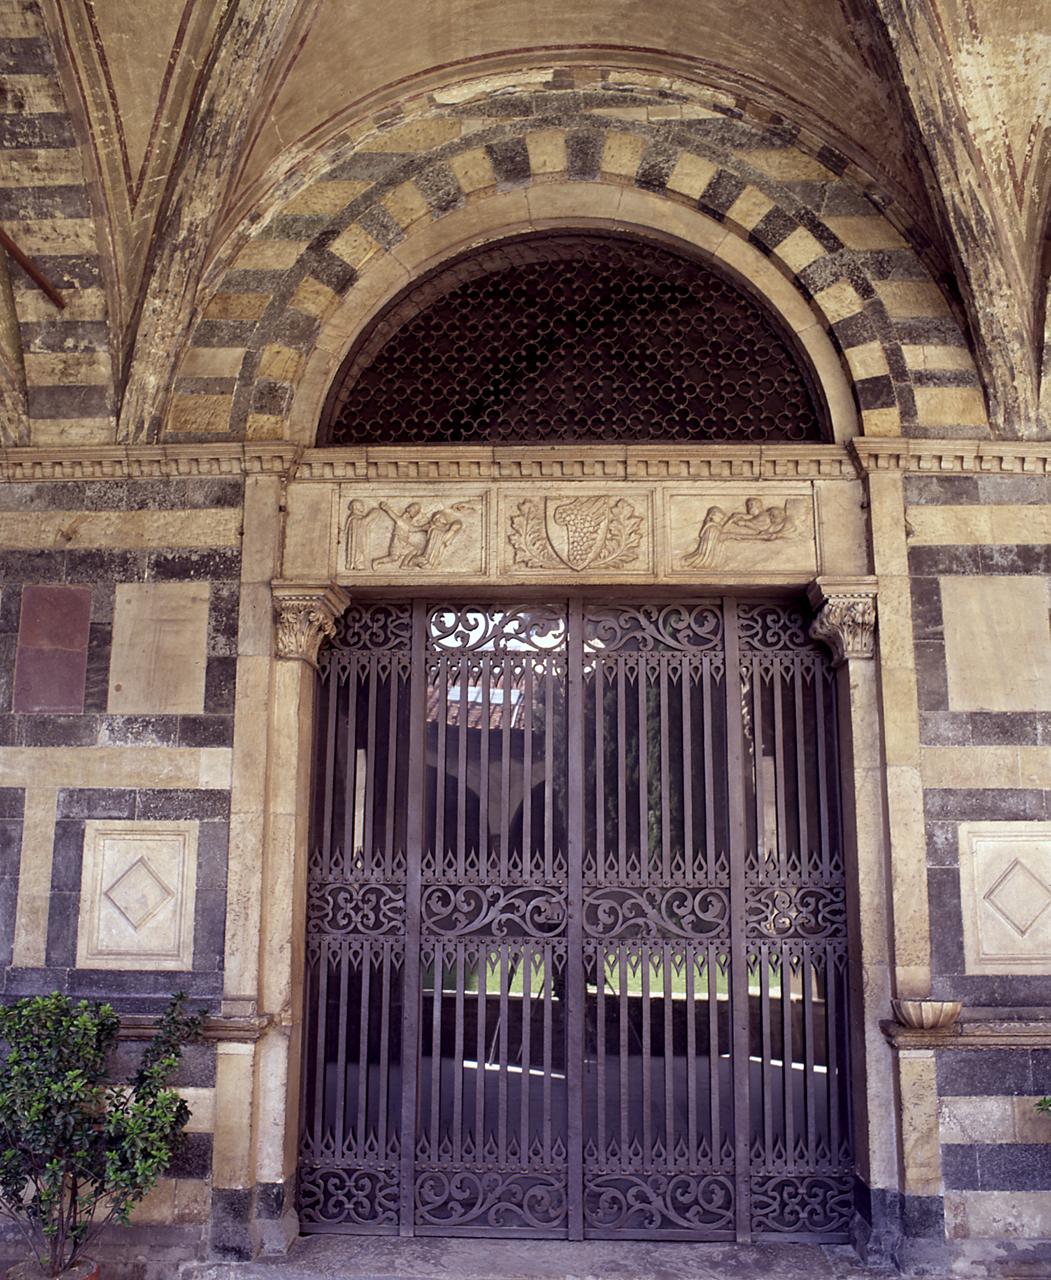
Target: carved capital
{"points": [[846, 616], [306, 614]]}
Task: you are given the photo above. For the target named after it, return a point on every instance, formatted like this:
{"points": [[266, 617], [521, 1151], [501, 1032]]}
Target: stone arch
{"points": [[416, 181]]}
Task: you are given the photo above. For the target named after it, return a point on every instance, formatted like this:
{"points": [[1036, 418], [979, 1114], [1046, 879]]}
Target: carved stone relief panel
{"points": [[391, 533], [138, 887], [578, 531], [1005, 891], [740, 529], [450, 527]]}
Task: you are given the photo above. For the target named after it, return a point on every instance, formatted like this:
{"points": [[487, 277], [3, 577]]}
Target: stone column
{"points": [[305, 615], [845, 622]]}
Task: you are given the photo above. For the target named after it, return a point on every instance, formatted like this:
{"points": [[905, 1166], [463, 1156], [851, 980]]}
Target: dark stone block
{"points": [[270, 1199], [220, 685], [7, 672], [58, 730], [12, 802], [440, 187], [8, 730], [196, 1066], [1015, 490], [62, 930], [66, 335], [923, 1216], [66, 401], [206, 731], [826, 238], [54, 617], [931, 678], [583, 150], [138, 731], [209, 927], [773, 228], [945, 729], [510, 160], [943, 844], [223, 609], [832, 159], [10, 847], [1023, 1166], [179, 805], [212, 849], [10, 606], [992, 728], [231, 1205], [95, 802], [938, 561], [207, 564], [984, 1072], [104, 566], [943, 888], [875, 393], [927, 620], [720, 193], [8, 908], [508, 106], [139, 991], [67, 856], [29, 56], [1040, 1065], [32, 566], [960, 1167], [271, 397], [382, 226], [214, 492], [223, 333], [854, 331], [206, 386], [50, 680], [35, 982], [1020, 559], [193, 1157], [47, 130], [990, 803], [656, 166]]}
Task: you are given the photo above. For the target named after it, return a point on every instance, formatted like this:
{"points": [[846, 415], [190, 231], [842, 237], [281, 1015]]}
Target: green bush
{"points": [[78, 1151]]}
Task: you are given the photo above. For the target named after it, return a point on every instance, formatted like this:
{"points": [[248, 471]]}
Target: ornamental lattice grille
{"points": [[583, 337]]}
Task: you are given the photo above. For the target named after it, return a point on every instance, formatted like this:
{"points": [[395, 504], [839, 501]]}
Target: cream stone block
{"points": [[799, 249], [691, 175], [901, 718], [234, 1089], [997, 643], [212, 362], [201, 1102], [867, 361], [843, 528], [206, 767], [114, 529], [91, 368], [866, 232], [749, 208], [265, 426], [415, 135], [69, 432], [950, 406], [547, 151], [741, 529], [980, 526], [622, 152], [473, 169], [838, 301], [269, 255], [138, 888], [199, 413], [160, 639], [924, 356], [193, 1200], [919, 1123], [314, 298], [34, 877], [406, 204], [81, 304], [280, 362], [1005, 891], [236, 306], [912, 937], [881, 422], [157, 1207], [355, 245], [409, 531], [976, 1119], [310, 544], [1011, 1215], [325, 197], [31, 167], [911, 298], [54, 235], [787, 164]]}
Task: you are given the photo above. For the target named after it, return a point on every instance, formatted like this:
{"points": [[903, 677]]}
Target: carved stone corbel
{"points": [[306, 614], [846, 616]]}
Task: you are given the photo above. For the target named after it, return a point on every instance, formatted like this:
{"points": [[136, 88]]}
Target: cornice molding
{"points": [[558, 462], [946, 457], [1001, 1033]]}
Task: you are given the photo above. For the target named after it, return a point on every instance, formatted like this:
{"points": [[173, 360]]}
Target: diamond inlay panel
{"points": [[1005, 892], [137, 895]]}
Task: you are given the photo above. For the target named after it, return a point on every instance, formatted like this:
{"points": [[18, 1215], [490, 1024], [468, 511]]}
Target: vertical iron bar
{"points": [[506, 717], [665, 785], [369, 839], [485, 730], [351, 835], [502, 1060], [644, 771], [801, 788], [329, 781], [574, 979], [480, 1052], [787, 1053], [689, 853], [411, 1001], [669, 1057], [462, 731], [600, 771], [527, 768], [692, 1004], [526, 1033], [384, 1063], [441, 715], [738, 940], [457, 1080], [362, 1126]]}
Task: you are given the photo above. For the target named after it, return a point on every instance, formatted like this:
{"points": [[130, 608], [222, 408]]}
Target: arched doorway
{"points": [[576, 959]]}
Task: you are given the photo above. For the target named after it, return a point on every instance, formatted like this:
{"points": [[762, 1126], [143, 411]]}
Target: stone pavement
{"points": [[381, 1258]]}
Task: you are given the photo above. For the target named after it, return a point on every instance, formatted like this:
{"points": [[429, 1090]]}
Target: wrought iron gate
{"points": [[576, 953]]}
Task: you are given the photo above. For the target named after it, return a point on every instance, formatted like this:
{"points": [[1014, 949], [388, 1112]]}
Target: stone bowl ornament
{"points": [[926, 1015], [77, 1150]]}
